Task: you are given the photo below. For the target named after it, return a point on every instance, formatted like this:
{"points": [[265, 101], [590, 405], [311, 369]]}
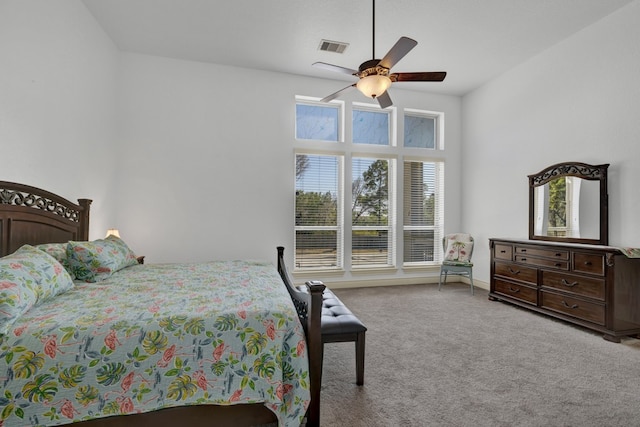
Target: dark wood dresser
{"points": [[597, 287]]}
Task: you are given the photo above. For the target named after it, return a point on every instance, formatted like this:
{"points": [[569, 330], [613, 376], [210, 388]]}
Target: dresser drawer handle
{"points": [[503, 251], [558, 254], [558, 264], [571, 285], [569, 306], [512, 271], [515, 291], [587, 263]]}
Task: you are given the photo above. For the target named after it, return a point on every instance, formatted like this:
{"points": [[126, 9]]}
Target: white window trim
{"points": [[395, 152]]}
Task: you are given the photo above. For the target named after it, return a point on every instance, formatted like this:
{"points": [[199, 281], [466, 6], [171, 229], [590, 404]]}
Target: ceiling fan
{"points": [[373, 75]]}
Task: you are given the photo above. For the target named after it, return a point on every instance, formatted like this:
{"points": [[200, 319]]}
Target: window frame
{"points": [[339, 227], [392, 120], [438, 131], [438, 222], [396, 154], [315, 102], [390, 227]]}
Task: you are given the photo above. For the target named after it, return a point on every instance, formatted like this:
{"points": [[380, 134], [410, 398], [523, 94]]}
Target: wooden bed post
{"points": [[83, 232], [314, 342], [309, 307]]}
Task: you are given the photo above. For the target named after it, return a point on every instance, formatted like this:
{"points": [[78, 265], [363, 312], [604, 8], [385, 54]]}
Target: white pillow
{"points": [[458, 251]]}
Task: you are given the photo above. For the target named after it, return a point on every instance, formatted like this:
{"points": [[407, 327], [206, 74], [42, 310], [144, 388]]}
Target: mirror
{"points": [[568, 203]]}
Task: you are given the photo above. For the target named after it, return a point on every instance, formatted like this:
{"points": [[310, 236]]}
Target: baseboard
{"points": [[398, 282]]}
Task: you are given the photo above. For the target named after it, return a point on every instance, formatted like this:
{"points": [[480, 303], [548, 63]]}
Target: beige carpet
{"points": [[449, 359]]}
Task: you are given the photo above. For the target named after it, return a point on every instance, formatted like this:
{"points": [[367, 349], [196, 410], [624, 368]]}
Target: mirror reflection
{"points": [[568, 207]]}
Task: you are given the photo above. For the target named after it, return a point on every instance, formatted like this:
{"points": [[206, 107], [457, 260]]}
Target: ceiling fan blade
{"points": [[336, 68], [384, 100], [337, 94], [429, 76], [397, 52]]}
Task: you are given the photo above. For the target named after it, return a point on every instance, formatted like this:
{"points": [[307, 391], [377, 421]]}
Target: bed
{"points": [[217, 343]]}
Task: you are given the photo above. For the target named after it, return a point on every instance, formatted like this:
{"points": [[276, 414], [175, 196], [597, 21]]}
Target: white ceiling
{"points": [[473, 40]]}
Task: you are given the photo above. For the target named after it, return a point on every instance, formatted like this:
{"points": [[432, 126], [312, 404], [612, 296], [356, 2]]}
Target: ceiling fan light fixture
{"points": [[373, 85]]}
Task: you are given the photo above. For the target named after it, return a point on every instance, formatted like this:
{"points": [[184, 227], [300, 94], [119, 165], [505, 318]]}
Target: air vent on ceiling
{"points": [[330, 46]]}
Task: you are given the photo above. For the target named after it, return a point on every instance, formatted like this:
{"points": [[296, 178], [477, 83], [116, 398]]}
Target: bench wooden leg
{"points": [[360, 358]]}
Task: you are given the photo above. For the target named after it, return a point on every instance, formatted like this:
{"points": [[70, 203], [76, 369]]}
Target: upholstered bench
{"points": [[339, 324]]}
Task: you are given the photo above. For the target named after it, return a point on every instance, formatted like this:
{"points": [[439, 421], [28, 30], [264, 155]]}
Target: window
{"points": [[370, 127], [420, 130], [423, 211], [371, 213], [393, 214], [318, 228], [317, 122]]}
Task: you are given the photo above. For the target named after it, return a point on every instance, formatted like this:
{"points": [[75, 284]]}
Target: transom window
{"points": [[420, 129], [317, 122], [370, 126]]}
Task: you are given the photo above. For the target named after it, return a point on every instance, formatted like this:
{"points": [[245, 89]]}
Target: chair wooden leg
{"points": [[360, 341], [440, 282]]}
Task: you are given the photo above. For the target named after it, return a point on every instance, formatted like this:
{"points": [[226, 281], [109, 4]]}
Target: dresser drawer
{"points": [[543, 262], [579, 285], [514, 290], [518, 272], [589, 311], [501, 251], [560, 254], [588, 263]]}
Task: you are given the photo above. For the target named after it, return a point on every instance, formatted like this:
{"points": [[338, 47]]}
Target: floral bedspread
{"points": [[155, 336]]}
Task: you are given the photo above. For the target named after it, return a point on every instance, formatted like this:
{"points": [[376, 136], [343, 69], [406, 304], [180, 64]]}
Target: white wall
{"points": [[207, 162], [164, 147], [190, 161], [578, 101], [57, 102]]}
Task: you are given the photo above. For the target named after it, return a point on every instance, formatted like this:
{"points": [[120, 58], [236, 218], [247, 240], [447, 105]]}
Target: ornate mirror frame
{"points": [[580, 170]]}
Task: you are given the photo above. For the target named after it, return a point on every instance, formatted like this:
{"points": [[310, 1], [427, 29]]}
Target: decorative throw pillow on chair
{"points": [[458, 251]]}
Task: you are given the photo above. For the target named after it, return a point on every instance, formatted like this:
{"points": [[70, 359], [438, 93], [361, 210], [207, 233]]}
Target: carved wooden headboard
{"points": [[30, 215]]}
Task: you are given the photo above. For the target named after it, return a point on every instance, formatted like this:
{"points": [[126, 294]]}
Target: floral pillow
{"points": [[458, 251], [28, 277], [97, 260], [59, 252]]}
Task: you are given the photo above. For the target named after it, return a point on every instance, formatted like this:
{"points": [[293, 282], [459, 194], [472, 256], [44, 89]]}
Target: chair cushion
{"points": [[452, 264], [458, 251]]}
